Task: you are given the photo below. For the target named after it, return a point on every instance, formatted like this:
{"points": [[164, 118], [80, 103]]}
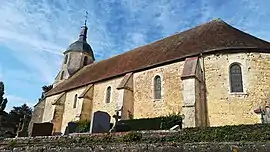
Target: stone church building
{"points": [[213, 74]]}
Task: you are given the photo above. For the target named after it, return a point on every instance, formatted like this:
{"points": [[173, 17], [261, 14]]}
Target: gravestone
{"points": [[100, 122], [42, 129], [116, 121], [267, 115], [71, 128]]}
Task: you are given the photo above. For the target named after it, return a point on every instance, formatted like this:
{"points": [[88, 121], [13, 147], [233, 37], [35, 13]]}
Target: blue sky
{"points": [[34, 33]]}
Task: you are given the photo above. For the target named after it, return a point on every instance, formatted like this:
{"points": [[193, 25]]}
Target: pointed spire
{"points": [[83, 34]]}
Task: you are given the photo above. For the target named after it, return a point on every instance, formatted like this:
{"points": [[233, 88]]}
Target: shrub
{"points": [[171, 120], [82, 126], [143, 124], [158, 123]]}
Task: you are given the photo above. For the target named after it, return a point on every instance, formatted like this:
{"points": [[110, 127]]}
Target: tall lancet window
{"points": [[85, 60], [236, 82], [62, 75], [108, 94], [75, 101], [66, 59], [157, 87]]}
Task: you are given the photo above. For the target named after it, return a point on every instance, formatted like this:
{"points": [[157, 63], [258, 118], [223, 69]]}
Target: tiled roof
{"points": [[207, 37]]}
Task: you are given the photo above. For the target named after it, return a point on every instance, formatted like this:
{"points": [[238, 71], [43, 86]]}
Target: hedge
{"points": [[214, 135], [240, 133], [158, 123]]}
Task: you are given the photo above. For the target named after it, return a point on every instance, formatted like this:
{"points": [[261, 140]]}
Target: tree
{"points": [[47, 88], [3, 101], [18, 113]]}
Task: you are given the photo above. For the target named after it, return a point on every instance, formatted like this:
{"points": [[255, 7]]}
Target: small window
{"points": [[157, 87], [108, 95], [62, 75], [85, 59], [66, 59], [236, 82], [75, 101]]}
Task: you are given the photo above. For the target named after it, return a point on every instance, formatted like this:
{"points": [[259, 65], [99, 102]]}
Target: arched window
{"points": [[66, 59], [85, 60], [157, 87], [236, 82], [75, 101], [108, 94], [62, 75]]}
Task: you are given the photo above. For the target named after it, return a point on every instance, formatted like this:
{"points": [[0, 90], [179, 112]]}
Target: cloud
{"points": [[18, 101]]}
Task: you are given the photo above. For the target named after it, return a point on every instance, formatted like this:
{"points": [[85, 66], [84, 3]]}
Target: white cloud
{"points": [[18, 101]]}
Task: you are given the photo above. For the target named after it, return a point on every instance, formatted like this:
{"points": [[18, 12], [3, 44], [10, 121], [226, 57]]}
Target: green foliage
{"points": [[47, 88], [11, 144], [158, 123], [132, 137], [18, 113], [82, 126], [143, 124], [171, 120], [3, 101]]}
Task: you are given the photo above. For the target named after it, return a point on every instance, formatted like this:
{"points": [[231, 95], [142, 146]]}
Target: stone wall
{"points": [[76, 143], [227, 108], [49, 108], [37, 115], [99, 102], [161, 147], [144, 103], [72, 113]]}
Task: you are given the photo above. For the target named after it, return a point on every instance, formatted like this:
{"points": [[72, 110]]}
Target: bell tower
{"points": [[76, 56]]}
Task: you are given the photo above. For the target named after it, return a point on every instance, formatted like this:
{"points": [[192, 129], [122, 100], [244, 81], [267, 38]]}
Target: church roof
{"points": [[210, 37]]}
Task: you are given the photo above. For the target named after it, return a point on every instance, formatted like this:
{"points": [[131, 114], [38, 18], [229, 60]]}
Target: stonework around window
{"points": [[157, 87], [108, 95], [75, 101], [236, 82]]}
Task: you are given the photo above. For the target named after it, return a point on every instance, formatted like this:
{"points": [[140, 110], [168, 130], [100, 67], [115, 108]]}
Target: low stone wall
{"points": [[139, 147], [124, 142]]}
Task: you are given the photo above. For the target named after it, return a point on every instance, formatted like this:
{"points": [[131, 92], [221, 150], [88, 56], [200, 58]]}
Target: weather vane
{"points": [[86, 16]]}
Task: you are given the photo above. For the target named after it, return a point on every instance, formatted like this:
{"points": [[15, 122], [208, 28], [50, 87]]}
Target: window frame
{"points": [[75, 101], [85, 60], [108, 96], [236, 91], [155, 88]]}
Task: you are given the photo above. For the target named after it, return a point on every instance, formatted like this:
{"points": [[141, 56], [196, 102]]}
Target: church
{"points": [[213, 74]]}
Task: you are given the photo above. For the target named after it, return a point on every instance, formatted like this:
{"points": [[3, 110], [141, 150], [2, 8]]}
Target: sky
{"points": [[35, 33]]}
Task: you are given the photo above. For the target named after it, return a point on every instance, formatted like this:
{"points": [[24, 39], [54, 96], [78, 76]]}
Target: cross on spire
{"points": [[86, 17]]}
